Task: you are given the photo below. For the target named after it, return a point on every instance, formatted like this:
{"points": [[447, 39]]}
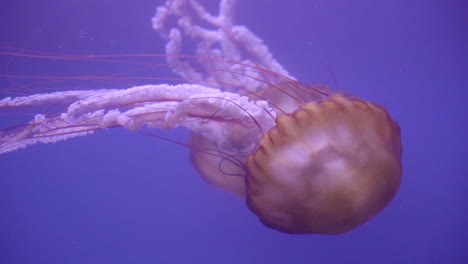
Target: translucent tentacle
{"points": [[223, 43], [204, 110]]}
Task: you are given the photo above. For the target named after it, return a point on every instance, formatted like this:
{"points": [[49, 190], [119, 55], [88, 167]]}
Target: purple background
{"points": [[120, 197]]}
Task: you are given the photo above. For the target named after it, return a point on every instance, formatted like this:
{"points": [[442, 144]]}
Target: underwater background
{"points": [[122, 197]]}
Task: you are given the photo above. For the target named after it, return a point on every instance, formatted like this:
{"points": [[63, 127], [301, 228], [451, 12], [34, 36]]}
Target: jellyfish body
{"points": [[305, 159], [327, 168]]}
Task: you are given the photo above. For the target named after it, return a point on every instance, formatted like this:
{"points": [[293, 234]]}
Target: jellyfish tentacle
{"points": [[47, 98], [206, 111], [223, 44]]}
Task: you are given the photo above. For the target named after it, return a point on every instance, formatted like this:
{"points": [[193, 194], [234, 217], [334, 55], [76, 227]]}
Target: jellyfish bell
{"points": [[327, 168], [306, 159]]}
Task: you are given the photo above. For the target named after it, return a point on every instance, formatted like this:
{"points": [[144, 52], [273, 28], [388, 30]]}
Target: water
{"points": [[120, 197]]}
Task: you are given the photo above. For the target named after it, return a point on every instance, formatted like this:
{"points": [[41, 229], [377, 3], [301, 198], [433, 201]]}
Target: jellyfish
{"points": [[305, 159]]}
